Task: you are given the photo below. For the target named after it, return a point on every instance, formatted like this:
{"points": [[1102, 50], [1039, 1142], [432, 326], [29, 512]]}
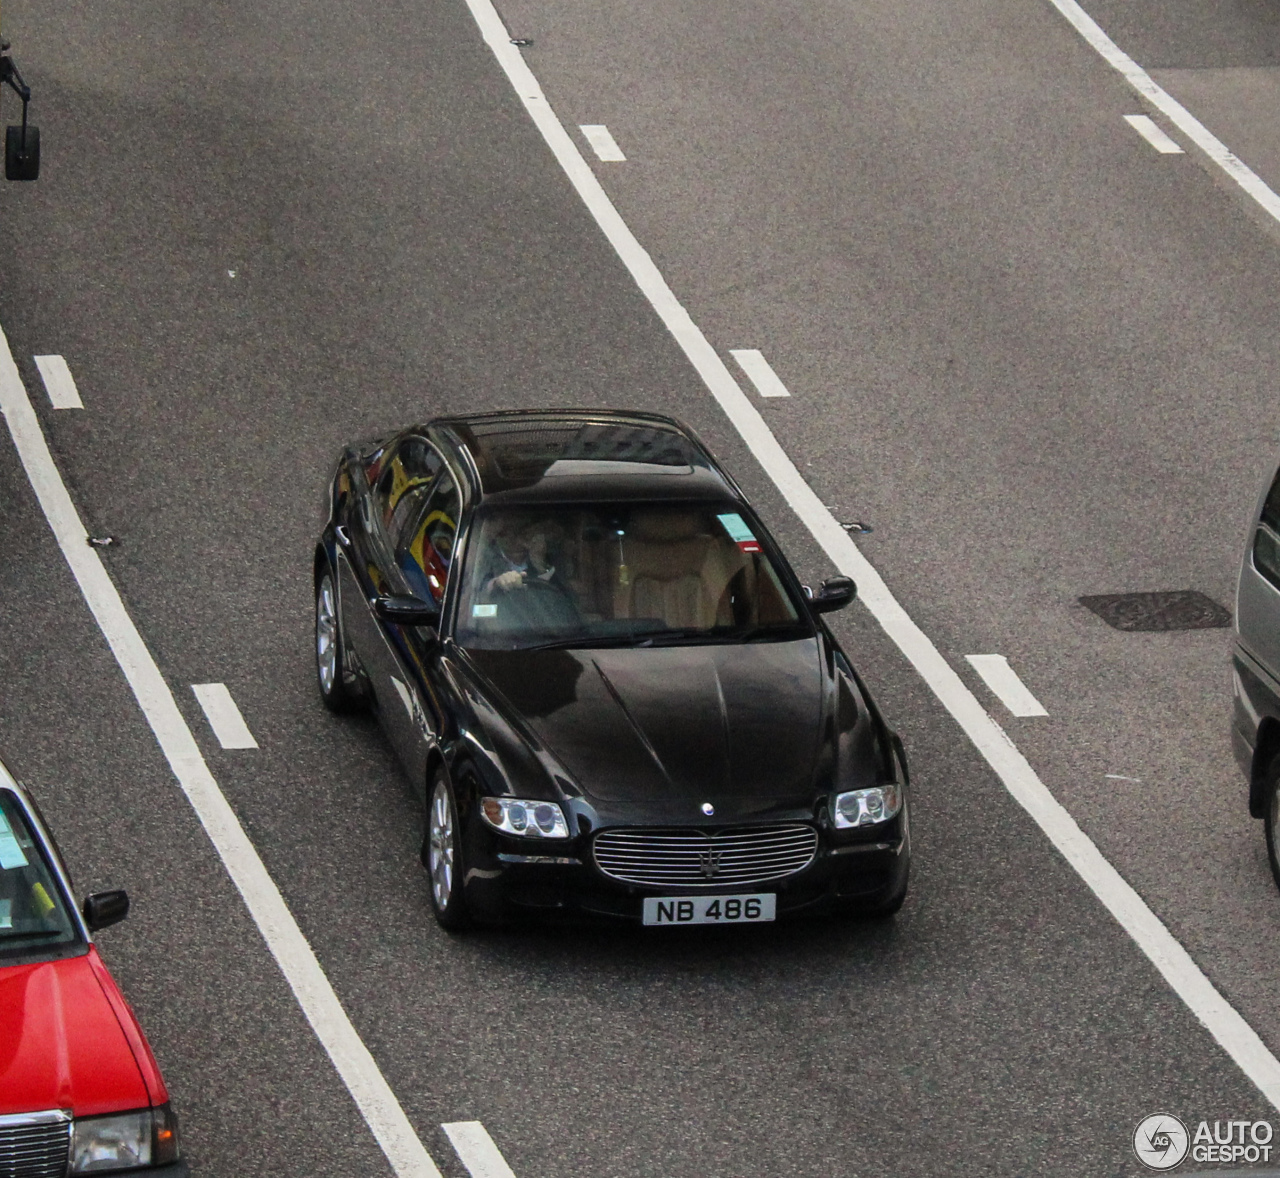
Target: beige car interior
{"points": [[671, 567]]}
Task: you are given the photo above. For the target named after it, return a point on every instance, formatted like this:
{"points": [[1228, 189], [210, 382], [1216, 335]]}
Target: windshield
{"points": [[610, 574], [33, 914]]}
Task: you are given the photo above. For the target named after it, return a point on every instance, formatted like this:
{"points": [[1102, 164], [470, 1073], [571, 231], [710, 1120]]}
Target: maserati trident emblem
{"points": [[708, 809], [709, 861]]}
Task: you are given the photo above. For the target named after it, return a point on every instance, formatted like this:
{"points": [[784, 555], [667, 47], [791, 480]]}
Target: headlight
{"points": [[124, 1141], [865, 807], [530, 819]]}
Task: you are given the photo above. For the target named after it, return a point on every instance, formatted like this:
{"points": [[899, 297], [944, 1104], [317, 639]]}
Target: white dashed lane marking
{"points": [[1153, 135], [58, 382], [602, 143], [479, 1153], [224, 717], [1176, 113], [762, 375], [1005, 684]]}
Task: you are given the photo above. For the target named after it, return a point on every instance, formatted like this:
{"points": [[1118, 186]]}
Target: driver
{"points": [[520, 551]]}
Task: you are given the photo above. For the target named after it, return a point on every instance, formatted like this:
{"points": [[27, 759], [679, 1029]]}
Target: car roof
{"points": [[584, 455]]}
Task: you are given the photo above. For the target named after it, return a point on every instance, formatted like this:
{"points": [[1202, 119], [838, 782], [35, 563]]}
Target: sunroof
{"points": [[517, 453]]}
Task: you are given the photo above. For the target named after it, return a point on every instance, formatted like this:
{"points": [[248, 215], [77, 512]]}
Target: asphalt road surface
{"points": [[1038, 357]]}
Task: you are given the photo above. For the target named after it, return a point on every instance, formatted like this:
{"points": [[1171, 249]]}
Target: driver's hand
{"points": [[512, 579]]}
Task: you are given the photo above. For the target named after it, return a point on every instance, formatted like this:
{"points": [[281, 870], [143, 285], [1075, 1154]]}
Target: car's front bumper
{"points": [[500, 881]]}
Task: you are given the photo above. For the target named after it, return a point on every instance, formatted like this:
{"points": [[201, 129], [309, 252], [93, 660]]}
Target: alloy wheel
{"points": [[326, 635], [440, 846]]}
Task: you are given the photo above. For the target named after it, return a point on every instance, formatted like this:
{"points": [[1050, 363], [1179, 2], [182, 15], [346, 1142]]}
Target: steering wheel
{"points": [[544, 606]]}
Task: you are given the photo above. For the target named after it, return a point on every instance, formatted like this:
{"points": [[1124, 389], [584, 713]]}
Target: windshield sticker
{"points": [[6, 914], [484, 611], [738, 531], [10, 853]]}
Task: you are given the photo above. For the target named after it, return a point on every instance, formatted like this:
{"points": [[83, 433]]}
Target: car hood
{"points": [[705, 723], [61, 1044]]}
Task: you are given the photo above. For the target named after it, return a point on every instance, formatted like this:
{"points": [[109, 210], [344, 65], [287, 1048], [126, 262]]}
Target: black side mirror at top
{"points": [[835, 593], [407, 610], [105, 908]]}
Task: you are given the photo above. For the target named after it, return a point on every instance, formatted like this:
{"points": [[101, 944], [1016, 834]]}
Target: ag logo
{"points": [[1161, 1141]]}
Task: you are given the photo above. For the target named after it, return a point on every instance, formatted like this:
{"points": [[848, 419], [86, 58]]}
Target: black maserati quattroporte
{"points": [[616, 695]]}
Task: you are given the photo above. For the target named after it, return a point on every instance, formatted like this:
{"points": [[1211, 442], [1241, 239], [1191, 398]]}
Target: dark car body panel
{"points": [[763, 731], [747, 730]]}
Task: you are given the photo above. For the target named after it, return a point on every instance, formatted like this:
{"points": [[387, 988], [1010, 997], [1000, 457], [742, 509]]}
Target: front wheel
{"points": [[442, 856], [332, 674]]}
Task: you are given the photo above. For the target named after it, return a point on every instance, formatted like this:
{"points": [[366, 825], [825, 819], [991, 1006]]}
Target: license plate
{"points": [[709, 909]]}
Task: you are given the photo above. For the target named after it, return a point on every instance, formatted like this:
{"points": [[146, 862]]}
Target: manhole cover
{"points": [[1184, 609]]}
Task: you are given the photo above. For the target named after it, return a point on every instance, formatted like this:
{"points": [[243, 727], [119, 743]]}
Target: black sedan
{"points": [[617, 697]]}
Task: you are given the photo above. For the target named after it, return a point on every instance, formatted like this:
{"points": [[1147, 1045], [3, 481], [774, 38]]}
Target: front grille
{"points": [[695, 858], [35, 1145]]}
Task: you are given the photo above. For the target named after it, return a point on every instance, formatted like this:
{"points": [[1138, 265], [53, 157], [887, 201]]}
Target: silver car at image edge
{"points": [[1255, 728]]}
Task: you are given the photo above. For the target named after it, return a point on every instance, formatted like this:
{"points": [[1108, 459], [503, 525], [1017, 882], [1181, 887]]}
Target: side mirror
{"points": [[835, 593], [21, 152], [105, 908], [407, 610]]}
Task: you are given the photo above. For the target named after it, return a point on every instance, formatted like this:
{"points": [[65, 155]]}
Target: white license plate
{"points": [[709, 909]]}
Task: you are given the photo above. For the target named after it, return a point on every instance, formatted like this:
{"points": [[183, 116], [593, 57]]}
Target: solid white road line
{"points": [[477, 1150], [1168, 956], [1005, 684], [1169, 106], [1153, 135], [762, 375], [58, 383], [224, 717], [602, 143], [297, 961]]}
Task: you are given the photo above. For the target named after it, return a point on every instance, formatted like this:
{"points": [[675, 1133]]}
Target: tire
{"points": [[1271, 815], [332, 674], [442, 855]]}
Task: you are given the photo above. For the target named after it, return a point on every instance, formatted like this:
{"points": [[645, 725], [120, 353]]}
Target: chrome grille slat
{"points": [[645, 857], [35, 1145], [737, 864], [723, 845], [678, 858]]}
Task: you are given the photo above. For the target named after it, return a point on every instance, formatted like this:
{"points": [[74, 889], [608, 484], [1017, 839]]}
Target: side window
{"points": [[424, 547], [1266, 541], [404, 483]]}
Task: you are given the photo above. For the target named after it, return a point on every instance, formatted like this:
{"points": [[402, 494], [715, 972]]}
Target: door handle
{"points": [[341, 533]]}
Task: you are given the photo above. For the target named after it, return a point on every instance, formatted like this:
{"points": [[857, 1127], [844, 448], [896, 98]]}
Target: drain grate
{"points": [[1184, 609]]}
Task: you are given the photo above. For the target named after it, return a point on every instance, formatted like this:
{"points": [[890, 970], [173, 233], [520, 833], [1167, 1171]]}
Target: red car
{"points": [[80, 1092]]}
